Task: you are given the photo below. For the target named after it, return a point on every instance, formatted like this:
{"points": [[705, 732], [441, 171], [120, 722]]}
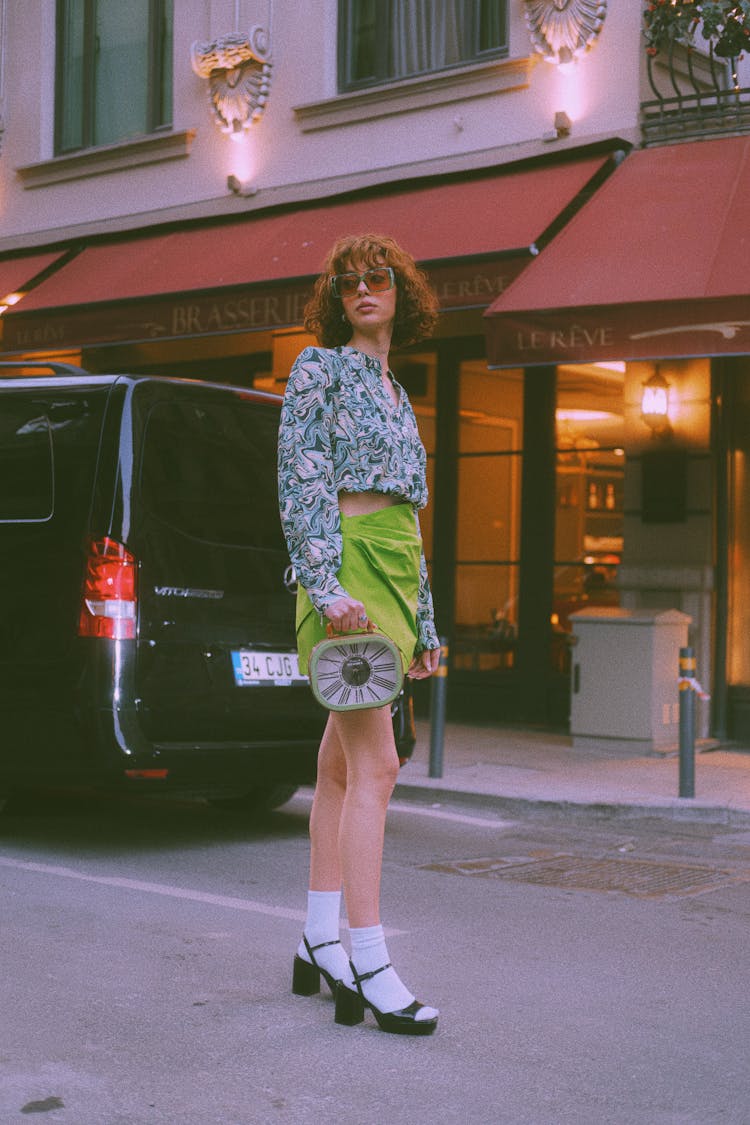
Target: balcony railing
{"points": [[695, 95]]}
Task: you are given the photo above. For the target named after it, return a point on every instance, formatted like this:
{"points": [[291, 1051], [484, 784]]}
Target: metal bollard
{"points": [[437, 711], [687, 722]]}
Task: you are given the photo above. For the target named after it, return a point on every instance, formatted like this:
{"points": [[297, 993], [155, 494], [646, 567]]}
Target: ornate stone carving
{"points": [[238, 69], [561, 30]]}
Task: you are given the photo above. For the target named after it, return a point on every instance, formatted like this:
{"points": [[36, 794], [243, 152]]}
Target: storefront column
{"points": [[445, 500], [537, 543], [720, 452]]}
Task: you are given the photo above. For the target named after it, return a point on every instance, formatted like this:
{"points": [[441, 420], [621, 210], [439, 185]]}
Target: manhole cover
{"points": [[642, 878]]}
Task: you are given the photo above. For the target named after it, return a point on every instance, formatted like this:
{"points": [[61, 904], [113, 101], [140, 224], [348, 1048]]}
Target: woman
{"points": [[351, 478]]}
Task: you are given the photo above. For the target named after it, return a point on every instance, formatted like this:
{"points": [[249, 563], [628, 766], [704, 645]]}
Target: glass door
{"points": [[738, 617], [490, 417], [590, 460]]}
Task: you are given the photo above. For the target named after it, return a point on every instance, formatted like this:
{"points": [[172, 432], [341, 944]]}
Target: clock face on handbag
{"points": [[355, 672]]}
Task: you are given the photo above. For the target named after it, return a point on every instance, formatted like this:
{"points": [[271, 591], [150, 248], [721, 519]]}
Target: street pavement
{"points": [[522, 769], [588, 970]]}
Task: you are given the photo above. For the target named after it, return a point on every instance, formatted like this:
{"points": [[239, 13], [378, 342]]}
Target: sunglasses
{"points": [[377, 280]]}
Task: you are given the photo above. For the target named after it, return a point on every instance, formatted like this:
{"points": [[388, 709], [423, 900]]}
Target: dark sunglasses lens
{"points": [[346, 284], [377, 281]]}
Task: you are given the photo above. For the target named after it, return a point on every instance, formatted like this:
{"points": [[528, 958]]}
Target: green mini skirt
{"points": [[380, 559]]}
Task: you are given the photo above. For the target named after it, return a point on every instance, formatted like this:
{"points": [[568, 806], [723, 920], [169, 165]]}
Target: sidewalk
{"points": [[516, 769]]}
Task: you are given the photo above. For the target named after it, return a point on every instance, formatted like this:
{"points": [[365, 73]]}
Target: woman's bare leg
{"points": [[367, 743], [366, 739], [325, 815], [357, 771], [320, 942]]}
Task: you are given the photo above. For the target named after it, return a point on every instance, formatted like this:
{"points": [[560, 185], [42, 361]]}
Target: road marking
{"points": [[435, 813], [442, 814], [156, 889], [164, 889]]}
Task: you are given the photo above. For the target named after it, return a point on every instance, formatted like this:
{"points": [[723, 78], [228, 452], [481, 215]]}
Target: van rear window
{"points": [[27, 490], [208, 469]]}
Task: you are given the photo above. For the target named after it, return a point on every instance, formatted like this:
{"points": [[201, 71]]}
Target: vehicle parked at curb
{"points": [[146, 595]]}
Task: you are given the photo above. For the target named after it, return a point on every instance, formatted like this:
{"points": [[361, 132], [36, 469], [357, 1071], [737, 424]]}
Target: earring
{"points": [[343, 318]]}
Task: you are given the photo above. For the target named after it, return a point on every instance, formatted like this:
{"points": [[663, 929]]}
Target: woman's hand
{"points": [[424, 664], [347, 615]]}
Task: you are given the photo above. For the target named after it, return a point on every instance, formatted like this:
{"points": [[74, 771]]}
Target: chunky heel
{"points": [[306, 974], [305, 978], [350, 1008]]}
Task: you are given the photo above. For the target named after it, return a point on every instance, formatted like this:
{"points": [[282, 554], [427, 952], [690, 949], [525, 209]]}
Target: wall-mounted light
{"points": [[240, 187], [8, 300], [563, 126], [655, 405]]}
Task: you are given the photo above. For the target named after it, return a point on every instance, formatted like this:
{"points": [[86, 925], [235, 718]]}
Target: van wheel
{"points": [[261, 799]]}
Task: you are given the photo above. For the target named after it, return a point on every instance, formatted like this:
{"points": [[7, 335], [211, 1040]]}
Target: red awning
{"points": [[16, 273], [502, 214], [655, 264]]}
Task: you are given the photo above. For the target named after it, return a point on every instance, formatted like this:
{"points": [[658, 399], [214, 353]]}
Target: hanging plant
{"points": [[724, 25]]}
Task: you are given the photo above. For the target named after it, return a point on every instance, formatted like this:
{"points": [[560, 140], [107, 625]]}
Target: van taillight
{"points": [[108, 602]]}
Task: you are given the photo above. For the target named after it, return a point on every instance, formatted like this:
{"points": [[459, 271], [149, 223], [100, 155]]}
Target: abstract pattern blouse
{"points": [[340, 432]]}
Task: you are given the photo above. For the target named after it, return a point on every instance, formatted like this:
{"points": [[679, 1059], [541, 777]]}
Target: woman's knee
{"points": [[332, 769], [375, 775]]}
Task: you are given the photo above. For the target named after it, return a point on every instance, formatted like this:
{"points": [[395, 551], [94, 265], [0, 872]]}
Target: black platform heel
{"points": [[350, 1009], [306, 974]]}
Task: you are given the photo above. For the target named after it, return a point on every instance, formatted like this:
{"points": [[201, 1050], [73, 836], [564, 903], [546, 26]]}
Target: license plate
{"points": [[266, 669]]}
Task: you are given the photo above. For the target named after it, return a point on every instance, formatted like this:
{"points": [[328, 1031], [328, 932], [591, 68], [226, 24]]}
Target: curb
{"points": [[595, 809]]}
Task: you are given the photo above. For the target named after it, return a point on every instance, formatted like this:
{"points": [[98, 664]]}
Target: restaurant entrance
{"points": [[525, 524], [736, 386]]}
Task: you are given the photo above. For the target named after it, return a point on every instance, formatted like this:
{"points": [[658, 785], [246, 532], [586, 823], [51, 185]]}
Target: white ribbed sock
{"points": [[322, 924], [386, 990]]}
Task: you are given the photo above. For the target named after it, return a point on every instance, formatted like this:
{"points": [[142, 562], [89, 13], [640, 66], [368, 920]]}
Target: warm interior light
{"points": [[614, 365], [571, 415], [655, 404]]}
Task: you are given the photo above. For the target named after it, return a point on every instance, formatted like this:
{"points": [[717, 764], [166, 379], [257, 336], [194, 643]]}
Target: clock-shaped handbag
{"points": [[352, 671]]}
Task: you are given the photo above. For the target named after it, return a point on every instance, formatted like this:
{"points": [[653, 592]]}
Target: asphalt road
{"points": [[586, 973]]}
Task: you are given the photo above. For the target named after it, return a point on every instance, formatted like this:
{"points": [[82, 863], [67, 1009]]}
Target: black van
{"points": [[146, 596]]}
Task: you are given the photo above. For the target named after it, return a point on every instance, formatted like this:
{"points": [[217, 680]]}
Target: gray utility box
{"points": [[625, 670]]}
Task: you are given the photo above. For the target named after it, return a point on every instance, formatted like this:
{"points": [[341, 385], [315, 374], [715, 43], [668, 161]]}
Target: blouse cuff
{"points": [[428, 637], [324, 592]]}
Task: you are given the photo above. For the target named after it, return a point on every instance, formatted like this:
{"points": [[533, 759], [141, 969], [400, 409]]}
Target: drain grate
{"points": [[642, 878]]}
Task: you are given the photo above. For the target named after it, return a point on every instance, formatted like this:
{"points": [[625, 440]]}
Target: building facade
{"points": [[172, 173]]}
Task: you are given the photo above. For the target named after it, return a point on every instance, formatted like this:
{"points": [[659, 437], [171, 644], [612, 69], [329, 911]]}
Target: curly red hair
{"points": [[416, 302]]}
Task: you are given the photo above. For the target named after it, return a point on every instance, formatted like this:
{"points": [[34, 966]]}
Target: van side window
{"points": [[208, 469], [27, 476]]}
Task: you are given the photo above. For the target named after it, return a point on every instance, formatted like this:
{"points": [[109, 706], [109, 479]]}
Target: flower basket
{"points": [[723, 24]]}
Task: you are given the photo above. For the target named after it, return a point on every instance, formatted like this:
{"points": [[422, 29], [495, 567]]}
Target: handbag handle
{"points": [[331, 632]]}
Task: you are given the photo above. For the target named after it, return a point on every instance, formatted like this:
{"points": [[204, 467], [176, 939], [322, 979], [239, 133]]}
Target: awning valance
{"points": [[255, 273], [655, 264]]}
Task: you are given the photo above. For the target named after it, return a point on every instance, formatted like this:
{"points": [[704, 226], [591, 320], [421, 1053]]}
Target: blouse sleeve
{"points": [[308, 500]]}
